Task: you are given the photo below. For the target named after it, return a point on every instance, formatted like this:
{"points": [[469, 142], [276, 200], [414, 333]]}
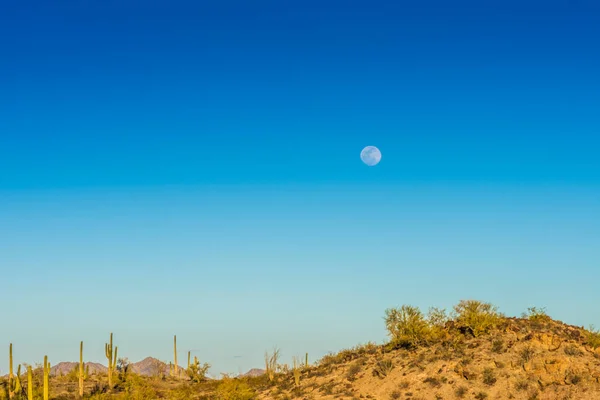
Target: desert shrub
{"points": [[432, 381], [536, 314], [461, 392], [489, 378], [196, 371], [526, 354], [481, 396], [497, 345], [347, 355], [383, 368], [395, 395], [534, 395], [406, 325], [135, 388], [572, 350], [478, 316], [234, 389], [327, 388], [353, 372], [437, 319], [521, 385], [593, 337]]}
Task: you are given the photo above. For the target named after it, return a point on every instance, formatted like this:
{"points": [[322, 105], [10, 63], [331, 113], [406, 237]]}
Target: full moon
{"points": [[370, 155]]}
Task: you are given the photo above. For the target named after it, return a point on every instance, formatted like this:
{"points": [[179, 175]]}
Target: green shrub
{"points": [[593, 337], [406, 325], [437, 319], [497, 345], [383, 368], [489, 378], [234, 389], [478, 316], [536, 314], [353, 371]]}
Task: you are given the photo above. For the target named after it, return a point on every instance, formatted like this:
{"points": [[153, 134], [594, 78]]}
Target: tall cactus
{"points": [[46, 377], [14, 381], [18, 388], [188, 367], [11, 375], [111, 355], [175, 351], [10, 361], [29, 383], [81, 369]]}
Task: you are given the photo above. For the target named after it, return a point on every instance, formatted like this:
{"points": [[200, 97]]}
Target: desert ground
{"points": [[472, 352]]}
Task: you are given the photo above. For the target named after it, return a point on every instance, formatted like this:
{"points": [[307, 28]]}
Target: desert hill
{"points": [[521, 359], [474, 353]]}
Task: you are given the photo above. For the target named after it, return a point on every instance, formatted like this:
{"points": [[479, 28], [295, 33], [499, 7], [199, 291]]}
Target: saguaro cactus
{"points": [[296, 370], [18, 387], [46, 377], [14, 381], [111, 355], [81, 369], [10, 372], [10, 361], [29, 383], [175, 351], [188, 367]]}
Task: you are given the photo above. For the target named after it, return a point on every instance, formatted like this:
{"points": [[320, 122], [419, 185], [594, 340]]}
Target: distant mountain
{"points": [[63, 368], [150, 366], [254, 372]]}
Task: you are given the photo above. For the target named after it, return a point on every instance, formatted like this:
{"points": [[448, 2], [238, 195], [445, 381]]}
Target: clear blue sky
{"points": [[191, 168]]}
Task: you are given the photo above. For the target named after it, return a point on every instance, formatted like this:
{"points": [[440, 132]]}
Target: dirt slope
{"points": [[522, 360]]}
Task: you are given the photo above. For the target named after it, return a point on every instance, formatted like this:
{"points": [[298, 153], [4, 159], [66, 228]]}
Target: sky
{"points": [[193, 168]]}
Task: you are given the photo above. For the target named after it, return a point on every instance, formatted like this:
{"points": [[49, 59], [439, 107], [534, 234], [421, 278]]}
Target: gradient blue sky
{"points": [[193, 169]]}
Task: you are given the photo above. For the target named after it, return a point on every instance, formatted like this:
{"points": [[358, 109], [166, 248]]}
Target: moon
{"points": [[370, 155]]}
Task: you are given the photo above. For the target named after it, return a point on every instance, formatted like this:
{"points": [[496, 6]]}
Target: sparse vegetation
{"points": [[461, 392], [234, 389], [497, 345], [573, 351], [489, 377], [433, 381], [536, 314], [271, 364], [522, 385], [442, 352], [593, 337], [406, 325], [526, 354], [383, 368], [477, 316], [353, 371]]}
